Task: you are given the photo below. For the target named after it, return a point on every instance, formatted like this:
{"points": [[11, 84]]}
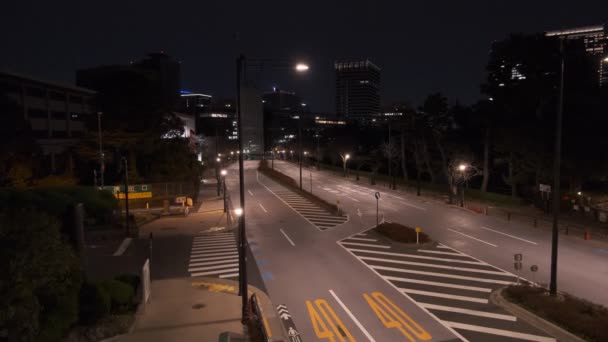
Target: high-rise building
{"points": [[357, 89], [595, 39], [281, 100]]}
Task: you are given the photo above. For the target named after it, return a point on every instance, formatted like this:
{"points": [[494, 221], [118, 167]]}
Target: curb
{"points": [[553, 330]]}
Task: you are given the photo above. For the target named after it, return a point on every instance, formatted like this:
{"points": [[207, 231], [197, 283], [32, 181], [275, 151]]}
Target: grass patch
{"points": [[292, 185], [401, 233], [580, 317]]}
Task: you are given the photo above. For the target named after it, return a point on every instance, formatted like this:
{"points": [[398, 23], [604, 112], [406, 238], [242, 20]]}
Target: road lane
{"points": [[587, 282]]}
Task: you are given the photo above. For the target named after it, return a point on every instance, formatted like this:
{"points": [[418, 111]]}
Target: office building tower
{"points": [[357, 89]]}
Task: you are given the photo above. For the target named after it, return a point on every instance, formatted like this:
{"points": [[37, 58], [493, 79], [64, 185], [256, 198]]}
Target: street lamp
{"points": [[217, 174], [345, 158], [224, 173], [462, 168], [300, 141], [241, 71]]}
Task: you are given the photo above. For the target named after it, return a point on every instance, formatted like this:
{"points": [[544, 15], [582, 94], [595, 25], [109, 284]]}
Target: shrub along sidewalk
{"points": [[580, 317], [292, 185]]}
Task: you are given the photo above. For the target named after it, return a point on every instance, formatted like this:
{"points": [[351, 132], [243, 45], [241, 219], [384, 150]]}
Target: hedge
{"points": [[401, 233]]}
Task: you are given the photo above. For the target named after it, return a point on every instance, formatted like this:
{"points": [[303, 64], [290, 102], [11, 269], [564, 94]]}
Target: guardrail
{"points": [[257, 317]]}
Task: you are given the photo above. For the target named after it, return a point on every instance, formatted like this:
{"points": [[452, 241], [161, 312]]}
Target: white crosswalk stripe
{"points": [[214, 255], [452, 286], [315, 214]]}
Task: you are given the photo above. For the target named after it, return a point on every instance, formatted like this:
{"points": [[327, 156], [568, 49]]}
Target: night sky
{"points": [[421, 46]]}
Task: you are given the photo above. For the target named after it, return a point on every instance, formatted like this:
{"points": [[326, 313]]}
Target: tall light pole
{"points": [[556, 174], [224, 173], [124, 160], [218, 160], [241, 70], [345, 158], [462, 168], [300, 141], [102, 165]]}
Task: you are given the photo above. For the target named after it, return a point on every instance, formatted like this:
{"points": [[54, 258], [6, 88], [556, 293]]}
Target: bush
{"points": [[40, 284], [95, 303], [131, 279], [121, 294], [400, 233], [580, 317]]}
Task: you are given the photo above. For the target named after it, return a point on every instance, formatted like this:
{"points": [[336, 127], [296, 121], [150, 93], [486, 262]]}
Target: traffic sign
{"points": [[418, 230], [377, 195], [518, 257]]}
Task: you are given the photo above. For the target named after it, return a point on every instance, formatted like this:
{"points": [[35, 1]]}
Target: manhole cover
{"points": [[198, 306]]}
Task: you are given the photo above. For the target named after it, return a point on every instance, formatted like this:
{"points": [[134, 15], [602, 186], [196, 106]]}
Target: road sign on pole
{"points": [[418, 230], [377, 195]]}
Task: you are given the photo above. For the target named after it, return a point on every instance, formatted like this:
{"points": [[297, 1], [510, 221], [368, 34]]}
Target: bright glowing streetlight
{"points": [[224, 172], [347, 156], [462, 167], [238, 212], [301, 67], [606, 60], [218, 160]]}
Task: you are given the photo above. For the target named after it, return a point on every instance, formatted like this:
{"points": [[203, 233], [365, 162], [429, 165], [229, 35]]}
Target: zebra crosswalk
{"points": [[451, 285], [214, 255], [315, 214]]}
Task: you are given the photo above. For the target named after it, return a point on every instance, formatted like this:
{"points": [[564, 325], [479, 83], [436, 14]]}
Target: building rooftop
{"points": [[30, 79], [576, 30]]}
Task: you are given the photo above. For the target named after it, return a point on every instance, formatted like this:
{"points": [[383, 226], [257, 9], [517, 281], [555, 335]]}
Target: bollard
{"points": [[587, 235]]}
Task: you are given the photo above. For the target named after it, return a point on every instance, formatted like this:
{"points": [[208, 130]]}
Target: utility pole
{"points": [[556, 174], [102, 165], [124, 160], [240, 66]]}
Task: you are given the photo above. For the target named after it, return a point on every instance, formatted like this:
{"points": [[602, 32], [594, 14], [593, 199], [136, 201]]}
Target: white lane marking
{"points": [[420, 257], [445, 295], [350, 314], [500, 332], [362, 234], [469, 312], [229, 275], [325, 218], [222, 243], [219, 249], [226, 257], [411, 205], [261, 206], [213, 272], [471, 237], [439, 252], [214, 235], [123, 246], [444, 247], [251, 193], [353, 199], [438, 284], [511, 236], [397, 197], [443, 275], [217, 262], [196, 269], [205, 256], [465, 269], [362, 239], [365, 245], [215, 239], [462, 338], [287, 237]]}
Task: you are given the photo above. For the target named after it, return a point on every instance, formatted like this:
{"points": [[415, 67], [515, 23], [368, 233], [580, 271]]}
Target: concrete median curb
{"points": [[521, 313]]}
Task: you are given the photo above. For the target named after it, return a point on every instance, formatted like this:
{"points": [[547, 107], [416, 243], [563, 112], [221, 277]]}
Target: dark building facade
{"points": [[357, 89], [58, 115], [595, 40], [281, 100]]}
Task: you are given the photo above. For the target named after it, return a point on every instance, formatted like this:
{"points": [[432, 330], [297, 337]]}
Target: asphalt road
{"points": [[582, 266], [336, 283], [318, 281]]}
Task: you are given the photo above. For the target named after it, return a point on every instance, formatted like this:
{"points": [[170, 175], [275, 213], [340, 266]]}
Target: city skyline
{"points": [[414, 54]]}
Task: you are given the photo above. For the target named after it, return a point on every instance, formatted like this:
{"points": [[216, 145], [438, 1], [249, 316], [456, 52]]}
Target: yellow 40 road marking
{"points": [[392, 317], [338, 330]]}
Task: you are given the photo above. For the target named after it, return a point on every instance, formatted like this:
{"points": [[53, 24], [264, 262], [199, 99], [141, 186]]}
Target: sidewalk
{"points": [[183, 308]]}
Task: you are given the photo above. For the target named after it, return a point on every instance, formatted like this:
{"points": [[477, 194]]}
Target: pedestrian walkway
{"points": [[315, 214], [451, 285], [214, 255]]}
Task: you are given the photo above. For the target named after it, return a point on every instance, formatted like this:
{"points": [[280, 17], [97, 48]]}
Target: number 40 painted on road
{"points": [[392, 317]]}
